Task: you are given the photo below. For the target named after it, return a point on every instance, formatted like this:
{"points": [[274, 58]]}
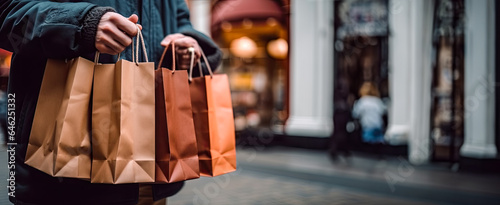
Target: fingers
{"points": [[184, 58], [133, 18], [184, 54], [166, 41], [106, 44], [115, 36], [105, 49], [184, 62], [115, 32], [187, 42], [125, 24]]}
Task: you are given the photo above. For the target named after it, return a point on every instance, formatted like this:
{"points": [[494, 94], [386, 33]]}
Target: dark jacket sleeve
{"points": [[50, 29], [211, 50]]}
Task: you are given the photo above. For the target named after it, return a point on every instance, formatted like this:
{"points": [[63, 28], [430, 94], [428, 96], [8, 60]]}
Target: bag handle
{"points": [[135, 58], [199, 65], [173, 55]]}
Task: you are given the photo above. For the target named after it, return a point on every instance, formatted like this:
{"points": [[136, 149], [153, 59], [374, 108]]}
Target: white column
{"points": [[479, 74], [420, 49], [311, 69], [399, 75], [200, 15]]}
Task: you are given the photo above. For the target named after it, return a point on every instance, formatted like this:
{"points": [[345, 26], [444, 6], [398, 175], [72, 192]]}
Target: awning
{"points": [[237, 10]]}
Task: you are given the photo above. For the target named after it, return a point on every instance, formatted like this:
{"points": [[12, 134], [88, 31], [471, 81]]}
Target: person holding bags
{"points": [[40, 30]]}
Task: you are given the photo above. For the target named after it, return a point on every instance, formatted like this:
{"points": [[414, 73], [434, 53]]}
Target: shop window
{"points": [[361, 56], [447, 121], [253, 36]]}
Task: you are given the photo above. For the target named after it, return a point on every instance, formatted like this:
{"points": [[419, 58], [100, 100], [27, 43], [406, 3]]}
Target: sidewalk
{"points": [[283, 175]]}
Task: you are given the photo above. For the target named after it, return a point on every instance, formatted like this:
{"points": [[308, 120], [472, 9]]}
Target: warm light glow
{"points": [[272, 22], [226, 26], [247, 23], [243, 47], [278, 48]]}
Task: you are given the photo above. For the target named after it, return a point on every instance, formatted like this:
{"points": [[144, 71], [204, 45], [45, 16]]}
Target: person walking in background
{"points": [[63, 29], [339, 143], [369, 109]]}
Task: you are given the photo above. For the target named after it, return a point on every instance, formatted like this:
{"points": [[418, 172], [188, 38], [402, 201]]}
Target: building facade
{"points": [[413, 73]]}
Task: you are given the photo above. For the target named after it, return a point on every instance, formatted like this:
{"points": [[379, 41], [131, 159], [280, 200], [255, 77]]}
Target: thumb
{"points": [[134, 18], [165, 42]]}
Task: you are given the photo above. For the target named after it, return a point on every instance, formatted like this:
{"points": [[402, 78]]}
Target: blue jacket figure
{"points": [[369, 109], [38, 30]]}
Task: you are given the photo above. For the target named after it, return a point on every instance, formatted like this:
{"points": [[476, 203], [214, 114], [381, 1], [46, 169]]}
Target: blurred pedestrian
{"points": [[369, 109], [342, 114], [38, 30]]}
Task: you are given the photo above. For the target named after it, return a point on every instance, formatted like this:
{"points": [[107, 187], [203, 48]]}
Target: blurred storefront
{"points": [[434, 69], [361, 56], [447, 92], [296, 67], [253, 36], [442, 79]]}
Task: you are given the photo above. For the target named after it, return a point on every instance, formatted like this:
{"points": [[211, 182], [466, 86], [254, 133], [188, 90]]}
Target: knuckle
{"points": [[114, 16], [98, 37], [134, 32], [112, 51], [106, 27], [121, 49], [128, 41], [107, 50], [100, 47], [103, 39], [106, 16]]}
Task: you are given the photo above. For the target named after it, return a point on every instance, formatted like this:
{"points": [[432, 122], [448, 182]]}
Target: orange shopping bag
{"points": [[214, 121], [176, 149]]}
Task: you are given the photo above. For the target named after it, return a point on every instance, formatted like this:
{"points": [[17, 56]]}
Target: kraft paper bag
{"points": [[214, 122], [123, 116], [59, 142], [176, 148]]}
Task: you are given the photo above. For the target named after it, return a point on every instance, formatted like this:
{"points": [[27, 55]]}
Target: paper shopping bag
{"points": [[59, 142], [214, 122], [176, 151], [123, 115]]}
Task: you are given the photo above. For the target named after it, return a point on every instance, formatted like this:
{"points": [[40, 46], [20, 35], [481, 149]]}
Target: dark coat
{"points": [[37, 30]]}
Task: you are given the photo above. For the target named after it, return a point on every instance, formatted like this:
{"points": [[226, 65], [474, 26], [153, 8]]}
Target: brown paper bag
{"points": [[176, 152], [59, 142], [123, 132], [214, 122]]}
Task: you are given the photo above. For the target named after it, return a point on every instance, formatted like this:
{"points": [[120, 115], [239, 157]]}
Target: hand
{"points": [[182, 43], [115, 32]]}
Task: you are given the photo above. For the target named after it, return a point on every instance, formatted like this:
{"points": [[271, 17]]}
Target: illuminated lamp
{"points": [[243, 47], [278, 48]]}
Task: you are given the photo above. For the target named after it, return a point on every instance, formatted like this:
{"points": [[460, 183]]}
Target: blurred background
{"points": [[299, 70]]}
